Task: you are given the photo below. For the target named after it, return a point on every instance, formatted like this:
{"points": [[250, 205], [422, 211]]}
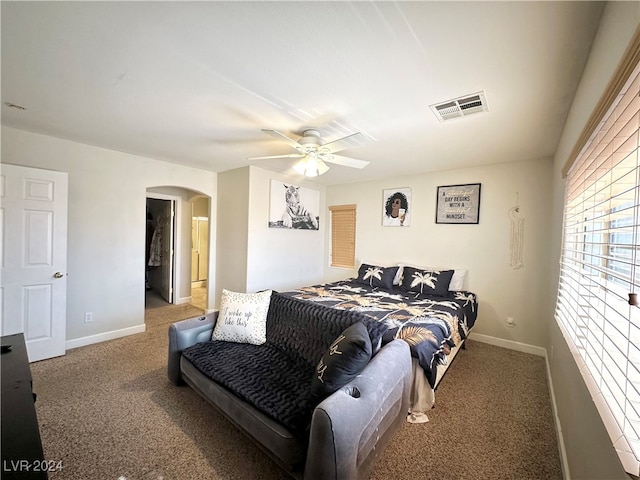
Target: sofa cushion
{"points": [[276, 377], [345, 358], [243, 317], [306, 329], [262, 375]]}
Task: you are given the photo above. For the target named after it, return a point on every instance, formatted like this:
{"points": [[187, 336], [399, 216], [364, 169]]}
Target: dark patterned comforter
{"points": [[431, 325]]}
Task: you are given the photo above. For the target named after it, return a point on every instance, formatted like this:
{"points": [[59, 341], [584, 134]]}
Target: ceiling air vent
{"points": [[460, 107]]}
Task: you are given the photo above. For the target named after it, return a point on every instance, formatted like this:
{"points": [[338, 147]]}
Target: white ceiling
{"points": [[195, 82]]}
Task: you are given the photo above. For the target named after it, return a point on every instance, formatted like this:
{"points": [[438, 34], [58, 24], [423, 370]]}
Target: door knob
{"points": [[58, 275]]}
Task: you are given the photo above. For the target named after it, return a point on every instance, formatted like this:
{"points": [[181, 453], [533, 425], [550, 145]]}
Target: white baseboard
{"points": [[510, 344], [103, 337], [180, 301], [540, 352]]}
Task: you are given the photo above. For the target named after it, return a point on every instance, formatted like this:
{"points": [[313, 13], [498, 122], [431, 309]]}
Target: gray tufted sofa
{"points": [[348, 430]]}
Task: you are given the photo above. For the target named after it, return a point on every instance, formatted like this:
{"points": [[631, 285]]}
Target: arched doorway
{"points": [[178, 276]]}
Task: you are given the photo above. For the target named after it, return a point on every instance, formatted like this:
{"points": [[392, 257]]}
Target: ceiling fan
{"points": [[313, 152]]}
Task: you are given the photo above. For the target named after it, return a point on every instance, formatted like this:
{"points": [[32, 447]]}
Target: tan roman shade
{"points": [[343, 236]]}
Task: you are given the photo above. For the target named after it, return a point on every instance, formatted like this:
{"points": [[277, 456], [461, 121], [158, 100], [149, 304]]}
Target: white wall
{"points": [[483, 249], [106, 234], [200, 207], [281, 258], [589, 450]]}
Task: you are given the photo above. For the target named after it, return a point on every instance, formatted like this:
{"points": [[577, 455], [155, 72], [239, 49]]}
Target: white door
{"points": [[203, 248], [168, 217], [194, 249], [33, 257], [199, 248]]}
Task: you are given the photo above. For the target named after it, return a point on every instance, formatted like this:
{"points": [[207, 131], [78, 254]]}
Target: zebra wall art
{"points": [[294, 207]]}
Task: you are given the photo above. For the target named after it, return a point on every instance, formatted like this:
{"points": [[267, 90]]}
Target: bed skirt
{"points": [[423, 397]]}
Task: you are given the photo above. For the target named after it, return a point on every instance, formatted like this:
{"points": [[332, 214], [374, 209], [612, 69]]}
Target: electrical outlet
{"points": [[88, 317], [511, 322]]}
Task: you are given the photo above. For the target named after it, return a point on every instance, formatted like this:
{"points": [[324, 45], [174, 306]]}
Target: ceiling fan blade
{"points": [[282, 136], [345, 161], [344, 142], [290, 155]]}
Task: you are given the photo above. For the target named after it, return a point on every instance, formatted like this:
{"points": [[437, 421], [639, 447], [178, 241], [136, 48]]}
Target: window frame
{"points": [[598, 322]]}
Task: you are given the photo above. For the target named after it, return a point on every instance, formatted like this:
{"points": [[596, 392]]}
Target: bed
{"points": [[425, 307]]}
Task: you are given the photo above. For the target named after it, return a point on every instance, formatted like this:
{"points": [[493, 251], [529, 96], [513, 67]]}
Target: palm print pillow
{"points": [[426, 282], [375, 276]]}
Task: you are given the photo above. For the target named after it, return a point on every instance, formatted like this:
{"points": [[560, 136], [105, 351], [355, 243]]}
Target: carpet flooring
{"points": [[107, 411]]}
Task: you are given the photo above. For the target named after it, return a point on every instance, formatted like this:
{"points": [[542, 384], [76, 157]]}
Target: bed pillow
{"points": [[457, 281], [345, 358], [243, 317], [376, 276], [426, 282], [397, 280]]}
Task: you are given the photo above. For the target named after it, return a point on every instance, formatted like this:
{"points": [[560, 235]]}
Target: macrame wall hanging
{"points": [[517, 236]]}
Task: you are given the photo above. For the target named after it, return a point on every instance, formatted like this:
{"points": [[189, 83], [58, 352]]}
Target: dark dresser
{"points": [[22, 456]]}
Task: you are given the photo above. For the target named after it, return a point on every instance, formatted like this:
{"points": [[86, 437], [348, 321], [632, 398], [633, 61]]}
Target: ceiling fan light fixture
{"points": [[301, 167], [311, 166], [322, 167], [314, 151]]}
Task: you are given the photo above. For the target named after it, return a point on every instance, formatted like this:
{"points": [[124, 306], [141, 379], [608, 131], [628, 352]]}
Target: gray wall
{"points": [[588, 448], [251, 256]]}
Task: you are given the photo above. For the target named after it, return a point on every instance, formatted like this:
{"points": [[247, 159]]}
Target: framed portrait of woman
{"points": [[396, 207]]}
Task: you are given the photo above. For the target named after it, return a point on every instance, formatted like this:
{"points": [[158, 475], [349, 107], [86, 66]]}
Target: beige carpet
{"points": [[107, 411]]}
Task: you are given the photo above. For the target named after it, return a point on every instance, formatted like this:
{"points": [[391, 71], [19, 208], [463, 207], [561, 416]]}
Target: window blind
{"points": [[343, 236], [599, 269]]}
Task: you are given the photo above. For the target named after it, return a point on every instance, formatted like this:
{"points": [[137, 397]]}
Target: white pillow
{"points": [[243, 317], [457, 281], [397, 280]]}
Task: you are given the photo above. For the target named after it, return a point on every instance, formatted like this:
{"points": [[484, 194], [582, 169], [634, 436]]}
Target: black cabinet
{"points": [[22, 456]]}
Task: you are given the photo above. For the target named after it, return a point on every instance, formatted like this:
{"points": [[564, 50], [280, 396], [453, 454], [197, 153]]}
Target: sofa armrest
{"points": [[351, 427], [183, 334]]}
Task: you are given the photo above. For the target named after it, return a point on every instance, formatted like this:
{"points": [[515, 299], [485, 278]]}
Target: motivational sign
{"points": [[458, 204]]}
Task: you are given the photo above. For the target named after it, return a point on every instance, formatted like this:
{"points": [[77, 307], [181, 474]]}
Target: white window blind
{"points": [[599, 269]]}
